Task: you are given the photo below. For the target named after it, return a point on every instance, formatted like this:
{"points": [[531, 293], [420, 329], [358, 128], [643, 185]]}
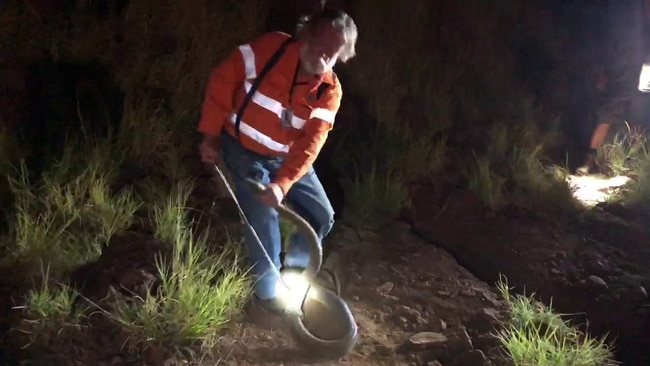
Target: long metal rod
{"points": [[245, 221]]}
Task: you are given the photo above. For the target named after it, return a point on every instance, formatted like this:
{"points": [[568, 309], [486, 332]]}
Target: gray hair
{"points": [[309, 25]]}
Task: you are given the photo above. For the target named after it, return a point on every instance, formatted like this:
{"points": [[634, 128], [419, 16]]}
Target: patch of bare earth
{"points": [[594, 266], [413, 303]]}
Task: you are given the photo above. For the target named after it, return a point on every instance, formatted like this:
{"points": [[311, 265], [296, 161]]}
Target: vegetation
{"points": [[108, 190], [627, 154], [421, 114], [533, 334]]}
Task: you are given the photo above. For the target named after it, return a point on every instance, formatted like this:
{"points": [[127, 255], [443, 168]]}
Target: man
{"points": [[612, 106], [279, 133], [617, 84]]}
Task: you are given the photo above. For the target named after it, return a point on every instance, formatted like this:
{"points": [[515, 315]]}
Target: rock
{"points": [[436, 324], [472, 358], [485, 320], [595, 280], [383, 350], [385, 289], [428, 339], [410, 314], [460, 342], [643, 291], [485, 342]]}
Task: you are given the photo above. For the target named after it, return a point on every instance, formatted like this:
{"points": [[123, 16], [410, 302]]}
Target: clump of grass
{"points": [[67, 217], [534, 335], [374, 199], [628, 155], [638, 190], [484, 182], [49, 312], [513, 171], [198, 293], [625, 154]]}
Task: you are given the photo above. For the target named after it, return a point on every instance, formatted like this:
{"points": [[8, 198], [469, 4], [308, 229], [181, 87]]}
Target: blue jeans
{"points": [[307, 197]]}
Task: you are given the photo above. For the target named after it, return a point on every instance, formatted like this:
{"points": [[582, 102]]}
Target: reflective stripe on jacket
{"points": [[260, 127]]}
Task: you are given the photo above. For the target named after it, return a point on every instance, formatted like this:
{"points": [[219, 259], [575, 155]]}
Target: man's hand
{"points": [[273, 195], [209, 149]]}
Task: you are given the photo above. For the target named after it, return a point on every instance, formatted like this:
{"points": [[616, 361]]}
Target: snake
{"points": [[307, 330]]}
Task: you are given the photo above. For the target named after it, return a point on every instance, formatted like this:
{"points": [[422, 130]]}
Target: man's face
{"points": [[321, 51]]}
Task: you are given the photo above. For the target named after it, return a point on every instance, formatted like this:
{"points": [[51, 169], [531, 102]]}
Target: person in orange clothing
{"points": [[619, 79], [268, 109]]}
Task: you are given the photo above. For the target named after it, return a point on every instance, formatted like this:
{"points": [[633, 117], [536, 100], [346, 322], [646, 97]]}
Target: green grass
{"points": [[534, 335], [625, 154], [462, 88], [374, 199], [66, 219], [513, 170], [628, 154], [50, 313], [198, 293]]}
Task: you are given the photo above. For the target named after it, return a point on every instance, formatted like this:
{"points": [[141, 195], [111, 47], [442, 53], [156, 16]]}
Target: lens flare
{"points": [[297, 289], [591, 190]]}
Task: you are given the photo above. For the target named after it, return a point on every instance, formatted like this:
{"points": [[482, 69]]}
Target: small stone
{"points": [[444, 293], [403, 321], [383, 350], [385, 289], [410, 313], [643, 291], [428, 339], [597, 281], [434, 363], [117, 360], [437, 325]]}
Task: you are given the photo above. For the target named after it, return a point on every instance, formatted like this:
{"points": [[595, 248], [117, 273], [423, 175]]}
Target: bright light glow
{"points": [[644, 79], [296, 290], [591, 189]]}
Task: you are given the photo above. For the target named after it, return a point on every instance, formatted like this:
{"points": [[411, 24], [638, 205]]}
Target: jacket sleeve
{"points": [[218, 101], [304, 150]]}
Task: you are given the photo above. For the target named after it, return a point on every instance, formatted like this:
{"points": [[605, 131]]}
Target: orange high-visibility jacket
{"points": [[260, 127]]}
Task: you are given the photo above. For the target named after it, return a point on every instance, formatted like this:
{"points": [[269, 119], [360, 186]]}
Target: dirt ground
{"points": [[415, 303], [594, 267]]}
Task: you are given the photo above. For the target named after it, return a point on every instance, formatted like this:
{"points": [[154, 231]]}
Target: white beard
{"points": [[319, 67]]}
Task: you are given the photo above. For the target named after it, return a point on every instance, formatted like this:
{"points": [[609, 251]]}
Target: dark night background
{"points": [[452, 112]]}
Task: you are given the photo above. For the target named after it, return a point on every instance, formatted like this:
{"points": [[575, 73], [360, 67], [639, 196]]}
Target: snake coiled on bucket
{"points": [[326, 326]]}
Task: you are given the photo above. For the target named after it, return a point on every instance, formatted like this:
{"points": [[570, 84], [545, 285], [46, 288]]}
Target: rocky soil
{"points": [[594, 266], [421, 292]]}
